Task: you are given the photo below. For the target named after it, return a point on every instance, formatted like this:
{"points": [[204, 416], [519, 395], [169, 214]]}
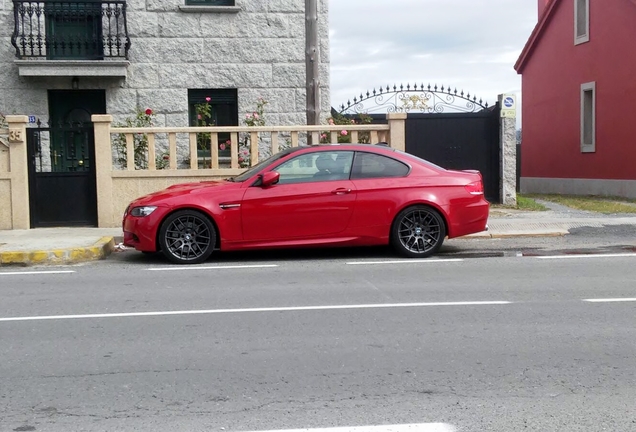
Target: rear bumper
{"points": [[471, 228], [469, 218]]}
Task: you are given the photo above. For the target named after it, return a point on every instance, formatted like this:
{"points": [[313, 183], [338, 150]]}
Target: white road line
{"points": [[247, 310], [226, 267], [610, 300], [405, 261], [631, 255], [415, 427], [36, 272]]}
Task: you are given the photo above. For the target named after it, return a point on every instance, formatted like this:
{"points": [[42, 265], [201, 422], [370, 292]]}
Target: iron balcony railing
{"points": [[64, 30]]}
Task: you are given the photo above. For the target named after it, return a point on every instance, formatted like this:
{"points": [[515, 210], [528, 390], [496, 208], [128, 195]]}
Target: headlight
{"points": [[142, 211]]}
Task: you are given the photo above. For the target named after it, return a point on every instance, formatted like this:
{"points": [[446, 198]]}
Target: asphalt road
{"points": [[265, 342]]}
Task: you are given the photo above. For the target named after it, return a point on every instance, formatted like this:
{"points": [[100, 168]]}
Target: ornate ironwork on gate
{"points": [[414, 98], [63, 147]]}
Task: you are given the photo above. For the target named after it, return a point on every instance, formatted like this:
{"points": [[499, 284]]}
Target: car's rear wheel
{"points": [[418, 232], [187, 237]]}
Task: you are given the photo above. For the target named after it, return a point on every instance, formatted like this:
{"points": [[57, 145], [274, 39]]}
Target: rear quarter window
{"points": [[371, 165]]}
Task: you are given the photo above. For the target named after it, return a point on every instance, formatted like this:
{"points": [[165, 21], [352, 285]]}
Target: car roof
{"points": [[381, 147], [348, 146]]}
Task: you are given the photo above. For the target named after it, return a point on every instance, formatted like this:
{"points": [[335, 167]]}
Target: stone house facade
{"points": [[62, 63], [180, 52]]}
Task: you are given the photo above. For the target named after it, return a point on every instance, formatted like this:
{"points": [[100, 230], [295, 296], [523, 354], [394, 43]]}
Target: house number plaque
{"points": [[15, 135]]}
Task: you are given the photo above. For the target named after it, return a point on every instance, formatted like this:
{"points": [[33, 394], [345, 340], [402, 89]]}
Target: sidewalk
{"points": [[558, 221], [51, 246], [56, 245]]}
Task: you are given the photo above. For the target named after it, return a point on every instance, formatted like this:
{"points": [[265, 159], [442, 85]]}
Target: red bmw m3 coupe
{"points": [[323, 195]]}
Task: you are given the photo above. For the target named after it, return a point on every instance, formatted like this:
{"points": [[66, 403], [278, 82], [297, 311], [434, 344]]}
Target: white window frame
{"points": [[202, 6], [585, 37], [589, 146]]}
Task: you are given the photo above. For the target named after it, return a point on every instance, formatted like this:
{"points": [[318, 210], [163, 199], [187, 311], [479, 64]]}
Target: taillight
{"points": [[475, 188]]}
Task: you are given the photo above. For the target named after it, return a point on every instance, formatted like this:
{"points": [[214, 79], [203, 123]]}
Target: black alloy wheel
{"points": [[418, 232], [187, 237]]}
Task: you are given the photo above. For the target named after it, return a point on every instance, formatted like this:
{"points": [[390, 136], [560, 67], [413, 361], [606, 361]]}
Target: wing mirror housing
{"points": [[270, 178]]}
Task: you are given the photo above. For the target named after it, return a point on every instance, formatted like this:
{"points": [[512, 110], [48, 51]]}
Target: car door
{"points": [[314, 198]]}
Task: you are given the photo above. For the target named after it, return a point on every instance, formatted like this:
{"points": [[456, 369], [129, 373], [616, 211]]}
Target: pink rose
{"points": [[199, 116], [331, 121], [344, 133], [208, 99], [222, 146], [323, 136], [255, 115]]}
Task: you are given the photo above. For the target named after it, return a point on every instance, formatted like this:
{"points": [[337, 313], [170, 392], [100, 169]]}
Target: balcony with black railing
{"points": [[65, 34]]}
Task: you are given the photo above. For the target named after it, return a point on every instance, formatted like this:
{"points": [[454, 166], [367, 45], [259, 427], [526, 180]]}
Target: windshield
{"points": [[262, 164]]}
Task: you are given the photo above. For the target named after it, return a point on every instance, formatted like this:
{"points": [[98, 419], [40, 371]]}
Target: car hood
{"points": [[182, 189]]}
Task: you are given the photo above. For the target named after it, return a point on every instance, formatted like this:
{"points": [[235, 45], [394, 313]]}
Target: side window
{"points": [[581, 21], [588, 117], [371, 165], [318, 166]]}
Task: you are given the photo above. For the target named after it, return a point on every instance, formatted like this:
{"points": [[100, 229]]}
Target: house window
{"points": [[210, 2], [581, 21], [213, 107], [73, 31], [588, 117]]}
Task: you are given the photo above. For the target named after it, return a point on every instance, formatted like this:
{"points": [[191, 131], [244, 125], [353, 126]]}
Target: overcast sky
{"points": [[468, 44]]}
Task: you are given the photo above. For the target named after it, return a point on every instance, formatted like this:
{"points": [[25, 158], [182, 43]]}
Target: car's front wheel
{"points": [[187, 237], [418, 232]]}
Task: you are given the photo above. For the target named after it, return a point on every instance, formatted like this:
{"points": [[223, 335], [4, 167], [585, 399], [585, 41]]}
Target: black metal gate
{"points": [[62, 190], [450, 128], [459, 141]]}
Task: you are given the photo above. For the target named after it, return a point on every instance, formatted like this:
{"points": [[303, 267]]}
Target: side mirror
{"points": [[270, 178]]}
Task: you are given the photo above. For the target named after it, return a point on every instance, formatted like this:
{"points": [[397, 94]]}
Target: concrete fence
{"points": [[119, 183]]}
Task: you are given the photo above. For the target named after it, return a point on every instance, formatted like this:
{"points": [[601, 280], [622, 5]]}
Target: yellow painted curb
{"points": [[12, 257], [100, 250], [38, 257]]}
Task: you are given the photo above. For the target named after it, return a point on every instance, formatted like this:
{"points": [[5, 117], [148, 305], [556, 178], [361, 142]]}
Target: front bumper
{"points": [[141, 232]]}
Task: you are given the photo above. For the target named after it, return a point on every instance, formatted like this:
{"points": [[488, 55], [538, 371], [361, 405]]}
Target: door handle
{"points": [[341, 191]]}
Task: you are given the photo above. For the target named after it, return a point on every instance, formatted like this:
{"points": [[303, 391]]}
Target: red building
{"points": [[579, 99]]}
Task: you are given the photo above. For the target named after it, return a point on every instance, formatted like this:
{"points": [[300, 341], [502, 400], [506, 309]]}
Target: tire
{"points": [[187, 237], [418, 232]]}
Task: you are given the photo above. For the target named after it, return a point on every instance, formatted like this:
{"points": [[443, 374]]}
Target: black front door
{"points": [[62, 154]]}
